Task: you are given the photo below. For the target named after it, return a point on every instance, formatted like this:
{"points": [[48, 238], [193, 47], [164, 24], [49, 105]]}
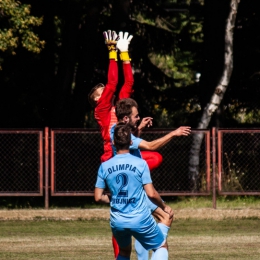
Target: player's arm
{"points": [[111, 39], [122, 46], [154, 196], [105, 102], [160, 142], [100, 185], [100, 197], [127, 89]]}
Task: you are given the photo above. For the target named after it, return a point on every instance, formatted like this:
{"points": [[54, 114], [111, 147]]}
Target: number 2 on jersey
{"points": [[122, 177]]}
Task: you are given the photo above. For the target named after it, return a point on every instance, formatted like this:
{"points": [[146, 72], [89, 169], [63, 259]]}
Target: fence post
{"points": [[46, 136], [214, 167]]}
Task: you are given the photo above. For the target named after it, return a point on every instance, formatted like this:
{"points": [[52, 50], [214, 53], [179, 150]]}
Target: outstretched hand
{"points": [[182, 130], [111, 39], [146, 122], [124, 41]]}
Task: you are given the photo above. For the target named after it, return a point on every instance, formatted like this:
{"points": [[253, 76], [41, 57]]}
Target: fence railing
{"points": [[75, 158], [64, 162], [238, 162], [21, 163]]}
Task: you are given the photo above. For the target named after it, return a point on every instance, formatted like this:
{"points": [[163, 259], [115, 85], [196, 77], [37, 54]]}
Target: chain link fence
{"points": [[76, 158], [238, 161], [21, 166], [172, 177], [70, 159]]}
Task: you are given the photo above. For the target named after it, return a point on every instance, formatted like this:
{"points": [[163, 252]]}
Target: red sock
{"points": [[115, 246]]}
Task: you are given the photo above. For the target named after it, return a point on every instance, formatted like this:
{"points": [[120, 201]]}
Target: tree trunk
{"points": [[216, 98]]}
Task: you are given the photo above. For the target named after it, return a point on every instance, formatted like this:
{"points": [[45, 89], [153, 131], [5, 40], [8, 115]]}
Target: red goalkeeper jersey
{"points": [[105, 111]]}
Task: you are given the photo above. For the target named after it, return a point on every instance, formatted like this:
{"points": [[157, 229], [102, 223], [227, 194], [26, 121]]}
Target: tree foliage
{"points": [[172, 36], [173, 40], [17, 27]]}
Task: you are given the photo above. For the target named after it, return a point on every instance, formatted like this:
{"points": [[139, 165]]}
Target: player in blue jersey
{"points": [[129, 181], [127, 112]]}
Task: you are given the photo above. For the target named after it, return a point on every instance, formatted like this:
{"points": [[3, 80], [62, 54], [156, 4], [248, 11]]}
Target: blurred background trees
{"points": [[177, 56], [17, 26]]}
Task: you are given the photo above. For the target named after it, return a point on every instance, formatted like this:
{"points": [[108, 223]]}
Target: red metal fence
{"points": [[69, 158], [21, 163], [75, 158], [238, 162]]}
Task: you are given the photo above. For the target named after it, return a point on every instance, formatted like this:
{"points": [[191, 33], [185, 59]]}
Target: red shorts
{"points": [[153, 159]]}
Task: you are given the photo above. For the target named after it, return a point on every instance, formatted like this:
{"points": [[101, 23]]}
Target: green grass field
{"points": [[229, 238]]}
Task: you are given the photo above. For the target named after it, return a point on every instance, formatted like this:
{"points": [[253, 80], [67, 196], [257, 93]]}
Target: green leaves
{"points": [[18, 27]]}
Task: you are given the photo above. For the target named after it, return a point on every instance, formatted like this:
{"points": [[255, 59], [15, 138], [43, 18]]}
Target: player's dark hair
{"points": [[122, 136], [124, 107], [91, 94]]}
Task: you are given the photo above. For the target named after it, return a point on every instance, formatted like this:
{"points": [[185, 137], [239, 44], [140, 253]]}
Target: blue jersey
{"points": [[134, 150], [125, 175]]}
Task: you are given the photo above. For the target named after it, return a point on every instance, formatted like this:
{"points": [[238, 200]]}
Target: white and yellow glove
{"points": [[111, 39], [122, 45]]}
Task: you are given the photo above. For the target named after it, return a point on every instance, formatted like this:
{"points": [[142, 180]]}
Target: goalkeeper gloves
{"points": [[111, 39], [122, 45]]}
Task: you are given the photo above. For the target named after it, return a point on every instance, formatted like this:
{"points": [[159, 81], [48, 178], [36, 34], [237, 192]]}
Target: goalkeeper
{"points": [[102, 97]]}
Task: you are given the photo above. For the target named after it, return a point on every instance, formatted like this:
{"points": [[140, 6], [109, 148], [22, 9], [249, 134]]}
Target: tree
{"points": [[17, 28], [50, 88], [216, 98], [170, 37]]}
